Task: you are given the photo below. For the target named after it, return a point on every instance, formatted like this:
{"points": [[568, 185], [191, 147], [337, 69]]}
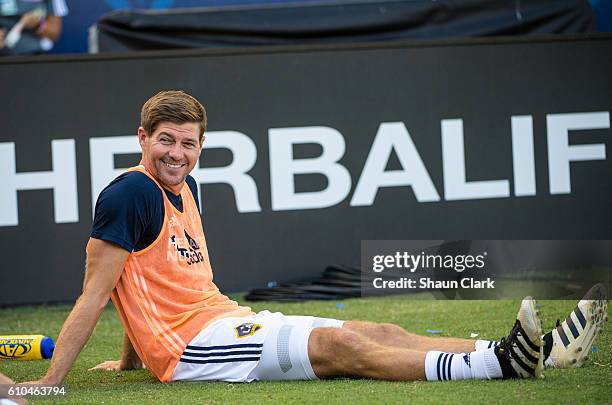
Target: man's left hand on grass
{"points": [[115, 365]]}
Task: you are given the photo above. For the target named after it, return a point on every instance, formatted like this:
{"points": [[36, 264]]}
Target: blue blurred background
{"points": [[84, 14]]}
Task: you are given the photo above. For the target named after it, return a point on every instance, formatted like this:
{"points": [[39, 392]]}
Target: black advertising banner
{"points": [[312, 150], [293, 23]]}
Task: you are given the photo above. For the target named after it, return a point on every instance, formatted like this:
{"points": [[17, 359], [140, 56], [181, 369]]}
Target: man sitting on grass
{"points": [[147, 252]]}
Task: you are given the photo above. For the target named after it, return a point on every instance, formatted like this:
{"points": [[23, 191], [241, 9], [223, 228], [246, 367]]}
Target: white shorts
{"points": [[264, 346]]}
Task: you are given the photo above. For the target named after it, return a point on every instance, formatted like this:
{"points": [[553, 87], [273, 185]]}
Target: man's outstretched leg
{"points": [[337, 352], [388, 334]]}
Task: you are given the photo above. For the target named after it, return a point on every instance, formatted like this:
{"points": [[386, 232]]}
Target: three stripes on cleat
{"points": [[571, 326], [525, 354], [522, 350], [573, 338]]}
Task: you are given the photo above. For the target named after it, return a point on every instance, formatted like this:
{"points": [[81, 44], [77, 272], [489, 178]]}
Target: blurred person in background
{"points": [[29, 27]]}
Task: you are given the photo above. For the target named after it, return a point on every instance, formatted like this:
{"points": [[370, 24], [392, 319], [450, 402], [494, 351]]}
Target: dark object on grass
{"points": [[337, 282]]}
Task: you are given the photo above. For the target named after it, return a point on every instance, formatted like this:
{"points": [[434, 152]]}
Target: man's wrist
{"points": [[130, 364]]}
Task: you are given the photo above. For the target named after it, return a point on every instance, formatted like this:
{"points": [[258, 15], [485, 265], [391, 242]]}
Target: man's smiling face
{"points": [[171, 152]]}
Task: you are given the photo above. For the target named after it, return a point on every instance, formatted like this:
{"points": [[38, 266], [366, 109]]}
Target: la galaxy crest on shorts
{"points": [[247, 329]]}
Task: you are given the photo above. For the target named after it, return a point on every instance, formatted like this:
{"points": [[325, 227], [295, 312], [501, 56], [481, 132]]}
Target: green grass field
{"points": [[489, 319]]}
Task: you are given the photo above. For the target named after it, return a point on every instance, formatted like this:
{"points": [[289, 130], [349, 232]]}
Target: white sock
{"points": [[478, 365], [485, 344]]}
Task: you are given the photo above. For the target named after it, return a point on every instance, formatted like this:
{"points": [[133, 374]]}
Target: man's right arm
{"points": [[105, 263]]}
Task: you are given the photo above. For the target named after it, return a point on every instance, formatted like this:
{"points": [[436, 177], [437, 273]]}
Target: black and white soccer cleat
{"points": [[521, 355], [572, 339]]}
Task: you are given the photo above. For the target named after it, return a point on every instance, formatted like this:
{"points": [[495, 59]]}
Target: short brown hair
{"points": [[172, 106]]}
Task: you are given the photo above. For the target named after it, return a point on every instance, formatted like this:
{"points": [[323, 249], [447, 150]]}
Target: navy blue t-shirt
{"points": [[130, 210]]}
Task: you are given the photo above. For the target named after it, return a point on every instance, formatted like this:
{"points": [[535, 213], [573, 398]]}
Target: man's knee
{"points": [[335, 351], [390, 328], [326, 342]]}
